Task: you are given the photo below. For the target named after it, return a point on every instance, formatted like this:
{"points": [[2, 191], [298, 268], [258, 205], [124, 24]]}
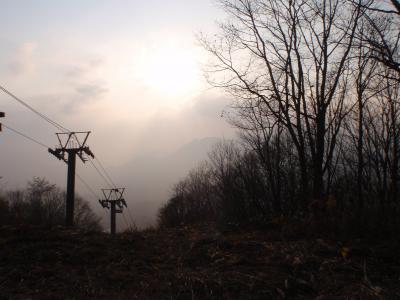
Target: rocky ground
{"points": [[196, 262]]}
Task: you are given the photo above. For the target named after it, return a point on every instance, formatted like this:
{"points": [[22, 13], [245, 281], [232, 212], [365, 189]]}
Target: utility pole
{"points": [[113, 201], [71, 144], [2, 115]]}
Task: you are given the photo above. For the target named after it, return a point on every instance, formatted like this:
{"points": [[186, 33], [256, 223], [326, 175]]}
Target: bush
{"points": [[43, 204]]}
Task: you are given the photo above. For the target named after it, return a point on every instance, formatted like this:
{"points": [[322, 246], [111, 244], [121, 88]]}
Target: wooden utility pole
{"points": [[113, 201], [2, 115], [71, 145]]}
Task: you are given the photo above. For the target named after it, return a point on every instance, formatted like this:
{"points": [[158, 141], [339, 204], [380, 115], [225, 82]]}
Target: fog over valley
{"points": [[129, 72]]}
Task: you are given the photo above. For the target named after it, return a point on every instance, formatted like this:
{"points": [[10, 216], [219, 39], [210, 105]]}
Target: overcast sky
{"points": [[129, 71]]}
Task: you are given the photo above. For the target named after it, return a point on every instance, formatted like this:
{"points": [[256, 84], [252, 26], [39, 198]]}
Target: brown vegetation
{"points": [[195, 262]]}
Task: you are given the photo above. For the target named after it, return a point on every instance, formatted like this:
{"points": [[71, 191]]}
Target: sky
{"points": [[128, 71]]}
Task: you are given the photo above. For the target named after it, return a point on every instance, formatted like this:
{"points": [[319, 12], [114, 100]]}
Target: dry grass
{"points": [[196, 262]]}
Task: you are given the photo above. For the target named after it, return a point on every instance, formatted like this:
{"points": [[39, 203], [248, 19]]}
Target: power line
{"points": [[25, 136], [52, 122], [101, 174], [47, 119], [88, 186], [45, 146], [126, 223], [130, 216], [103, 214], [114, 185], [106, 177], [105, 172], [108, 180]]}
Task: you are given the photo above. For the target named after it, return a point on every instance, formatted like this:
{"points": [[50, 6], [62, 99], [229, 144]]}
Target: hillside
{"points": [[192, 263]]}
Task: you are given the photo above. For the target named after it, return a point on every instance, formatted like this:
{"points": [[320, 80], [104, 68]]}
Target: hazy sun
{"points": [[169, 70]]}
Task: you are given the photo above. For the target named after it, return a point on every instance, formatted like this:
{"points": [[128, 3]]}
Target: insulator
{"points": [[56, 153], [88, 152]]}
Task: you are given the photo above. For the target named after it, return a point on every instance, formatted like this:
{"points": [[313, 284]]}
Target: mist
{"points": [[135, 83]]}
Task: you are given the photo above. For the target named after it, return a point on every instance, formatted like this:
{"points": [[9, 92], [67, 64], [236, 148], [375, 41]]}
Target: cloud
{"points": [[84, 94], [84, 69], [91, 91], [22, 62], [84, 79], [210, 106], [199, 118]]}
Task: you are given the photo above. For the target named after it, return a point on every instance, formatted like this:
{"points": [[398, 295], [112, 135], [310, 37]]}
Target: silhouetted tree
{"points": [[192, 200], [43, 203], [383, 31], [291, 60], [316, 91]]}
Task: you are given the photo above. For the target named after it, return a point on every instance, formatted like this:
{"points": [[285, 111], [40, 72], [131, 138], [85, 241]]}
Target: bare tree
{"points": [[193, 199], [366, 87], [291, 57], [43, 203], [383, 32]]}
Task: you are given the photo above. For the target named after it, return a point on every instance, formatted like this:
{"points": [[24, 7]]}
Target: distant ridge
{"points": [[196, 150], [149, 179]]}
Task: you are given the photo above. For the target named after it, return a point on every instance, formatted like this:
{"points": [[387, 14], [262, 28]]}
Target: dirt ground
{"points": [[197, 262]]}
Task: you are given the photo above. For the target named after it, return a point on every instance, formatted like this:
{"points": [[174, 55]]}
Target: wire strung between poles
{"points": [[47, 119], [25, 136], [103, 173]]}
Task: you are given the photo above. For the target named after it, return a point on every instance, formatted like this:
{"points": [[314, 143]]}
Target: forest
{"points": [[315, 99]]}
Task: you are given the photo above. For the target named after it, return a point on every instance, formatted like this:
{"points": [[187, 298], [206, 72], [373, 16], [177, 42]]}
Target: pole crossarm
{"points": [[114, 201], [113, 195], [72, 144]]}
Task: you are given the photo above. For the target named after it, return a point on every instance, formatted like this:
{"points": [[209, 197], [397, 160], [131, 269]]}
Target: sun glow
{"points": [[168, 70]]}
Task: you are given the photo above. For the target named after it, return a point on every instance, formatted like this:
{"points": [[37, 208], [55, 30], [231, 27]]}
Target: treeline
{"points": [[43, 204], [315, 87]]}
